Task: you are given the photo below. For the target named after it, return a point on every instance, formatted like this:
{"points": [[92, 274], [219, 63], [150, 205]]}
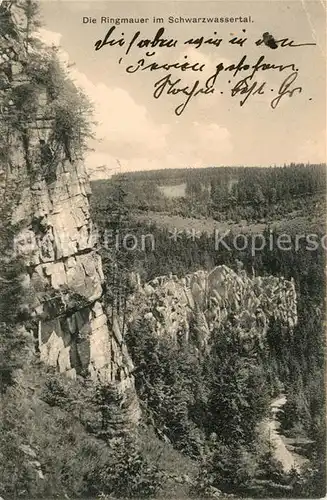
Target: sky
{"points": [[135, 131]]}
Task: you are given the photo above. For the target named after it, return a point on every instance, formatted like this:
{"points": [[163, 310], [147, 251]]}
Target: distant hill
{"points": [[224, 193]]}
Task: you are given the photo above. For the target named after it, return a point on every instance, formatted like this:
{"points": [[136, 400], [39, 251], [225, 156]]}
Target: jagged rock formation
{"points": [[194, 306], [63, 279]]}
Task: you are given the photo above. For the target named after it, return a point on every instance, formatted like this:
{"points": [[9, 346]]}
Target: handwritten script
{"points": [[187, 78]]}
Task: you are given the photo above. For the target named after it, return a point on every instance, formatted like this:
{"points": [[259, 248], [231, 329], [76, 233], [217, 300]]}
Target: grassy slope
{"points": [[65, 450]]}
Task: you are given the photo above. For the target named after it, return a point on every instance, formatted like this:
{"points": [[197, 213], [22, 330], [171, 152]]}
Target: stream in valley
{"points": [[284, 447]]}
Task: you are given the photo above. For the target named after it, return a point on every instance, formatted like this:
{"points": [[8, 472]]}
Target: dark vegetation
{"points": [[199, 433], [224, 193], [209, 408]]}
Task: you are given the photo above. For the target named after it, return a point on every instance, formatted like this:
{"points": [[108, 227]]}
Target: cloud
{"points": [[206, 144], [126, 131], [212, 136], [313, 150], [121, 121]]}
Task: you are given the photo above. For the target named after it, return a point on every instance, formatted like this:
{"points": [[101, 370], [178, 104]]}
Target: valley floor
{"points": [[293, 223]]}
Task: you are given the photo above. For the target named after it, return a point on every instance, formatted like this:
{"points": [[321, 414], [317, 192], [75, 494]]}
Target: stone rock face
{"points": [[195, 306], [63, 280], [65, 277]]}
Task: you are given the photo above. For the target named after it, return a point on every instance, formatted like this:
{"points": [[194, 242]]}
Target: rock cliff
{"points": [[199, 304], [50, 189]]}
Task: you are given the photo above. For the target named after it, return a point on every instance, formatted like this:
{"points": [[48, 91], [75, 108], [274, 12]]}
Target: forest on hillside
{"points": [[223, 193], [194, 409]]}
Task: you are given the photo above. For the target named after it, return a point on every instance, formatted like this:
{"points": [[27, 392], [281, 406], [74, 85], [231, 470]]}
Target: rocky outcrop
{"points": [[63, 278], [64, 275], [193, 307]]}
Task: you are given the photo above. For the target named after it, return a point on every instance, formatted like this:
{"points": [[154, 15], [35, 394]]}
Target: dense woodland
{"points": [[224, 193], [183, 398], [198, 437]]}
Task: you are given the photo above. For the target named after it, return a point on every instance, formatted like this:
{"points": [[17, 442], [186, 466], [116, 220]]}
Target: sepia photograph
{"points": [[162, 249]]}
